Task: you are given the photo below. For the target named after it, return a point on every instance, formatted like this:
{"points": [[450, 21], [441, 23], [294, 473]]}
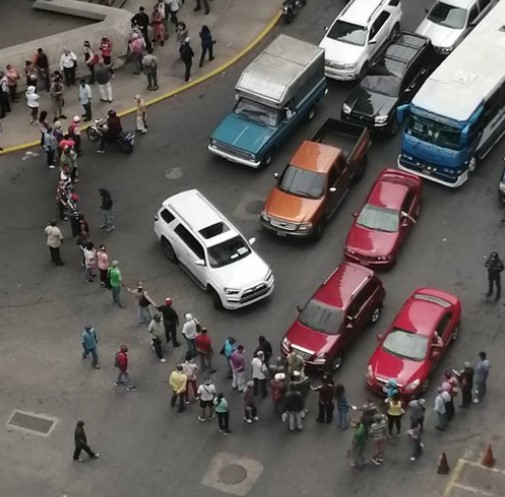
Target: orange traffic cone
{"points": [[488, 459], [443, 467]]}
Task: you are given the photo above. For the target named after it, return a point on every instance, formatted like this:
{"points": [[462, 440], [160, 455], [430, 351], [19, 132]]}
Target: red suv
{"points": [[344, 305]]}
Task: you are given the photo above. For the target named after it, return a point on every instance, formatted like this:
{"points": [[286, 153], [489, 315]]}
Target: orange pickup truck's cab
{"points": [[310, 189]]}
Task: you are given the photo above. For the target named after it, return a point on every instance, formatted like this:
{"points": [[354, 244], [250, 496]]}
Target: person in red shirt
{"points": [[75, 134], [203, 346], [326, 405], [121, 362], [66, 141]]}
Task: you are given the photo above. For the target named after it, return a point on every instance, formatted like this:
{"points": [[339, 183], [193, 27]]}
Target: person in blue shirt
{"points": [[228, 349], [89, 345]]}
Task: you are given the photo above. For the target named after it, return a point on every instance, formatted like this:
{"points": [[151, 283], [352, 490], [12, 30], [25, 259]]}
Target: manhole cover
{"points": [[254, 207], [39, 424], [232, 474]]}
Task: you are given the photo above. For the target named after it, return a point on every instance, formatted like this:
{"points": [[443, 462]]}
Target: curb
{"points": [[201, 79]]}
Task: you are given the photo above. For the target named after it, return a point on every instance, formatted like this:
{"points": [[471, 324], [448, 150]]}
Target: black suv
{"points": [[393, 80]]}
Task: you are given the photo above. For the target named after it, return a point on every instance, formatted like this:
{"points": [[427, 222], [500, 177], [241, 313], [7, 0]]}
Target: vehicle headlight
{"points": [[213, 143], [383, 257], [369, 372], [346, 109], [349, 66], [380, 119], [412, 386], [264, 216], [349, 250], [502, 187], [305, 226], [286, 343], [446, 50], [231, 291], [269, 276], [320, 359]]}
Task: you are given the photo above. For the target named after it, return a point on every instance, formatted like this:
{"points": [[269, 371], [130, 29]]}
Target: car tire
{"points": [[455, 334], [336, 363], [376, 314], [168, 250], [216, 300], [393, 126], [312, 113], [267, 159], [360, 171], [394, 31], [319, 230]]}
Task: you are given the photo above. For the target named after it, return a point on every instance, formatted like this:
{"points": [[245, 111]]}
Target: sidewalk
{"points": [[236, 25]]}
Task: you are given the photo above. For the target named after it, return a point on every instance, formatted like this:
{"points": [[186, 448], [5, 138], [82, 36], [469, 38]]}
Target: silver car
{"points": [[449, 21]]}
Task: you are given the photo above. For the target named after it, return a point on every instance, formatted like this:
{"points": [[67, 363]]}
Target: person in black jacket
{"points": [[81, 443], [187, 54], [295, 408], [141, 19], [494, 267], [107, 208], [266, 347], [170, 321], [207, 44]]}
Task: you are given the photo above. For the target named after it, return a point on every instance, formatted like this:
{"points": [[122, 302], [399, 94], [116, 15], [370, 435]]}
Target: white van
{"points": [[193, 233]]}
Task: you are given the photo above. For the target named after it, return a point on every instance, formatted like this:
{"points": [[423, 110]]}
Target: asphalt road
{"points": [[146, 448]]}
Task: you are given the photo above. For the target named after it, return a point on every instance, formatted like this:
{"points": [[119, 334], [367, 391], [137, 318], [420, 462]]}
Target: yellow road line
{"points": [[259, 37], [452, 479]]}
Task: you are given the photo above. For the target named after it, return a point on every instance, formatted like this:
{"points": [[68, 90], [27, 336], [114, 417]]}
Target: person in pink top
{"points": [[137, 45], [103, 264], [157, 19], [106, 51], [237, 362]]}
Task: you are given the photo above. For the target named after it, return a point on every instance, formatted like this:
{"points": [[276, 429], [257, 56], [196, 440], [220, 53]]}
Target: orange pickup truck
{"points": [[316, 180]]}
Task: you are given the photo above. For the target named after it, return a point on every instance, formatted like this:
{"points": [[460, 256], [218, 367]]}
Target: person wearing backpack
{"points": [[121, 362]]}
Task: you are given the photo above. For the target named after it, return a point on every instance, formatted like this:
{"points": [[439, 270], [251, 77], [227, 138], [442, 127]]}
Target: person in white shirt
{"points": [[68, 63], [259, 373], [54, 239], [206, 393], [189, 332], [189, 368], [85, 99], [32, 101]]}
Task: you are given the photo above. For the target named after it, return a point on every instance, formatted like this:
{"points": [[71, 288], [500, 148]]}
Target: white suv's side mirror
{"points": [[251, 240], [199, 262]]}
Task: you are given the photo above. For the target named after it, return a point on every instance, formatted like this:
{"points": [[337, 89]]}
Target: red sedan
{"points": [[420, 335], [389, 212]]}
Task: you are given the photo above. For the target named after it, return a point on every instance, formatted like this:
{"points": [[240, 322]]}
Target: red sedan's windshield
{"points": [[406, 344]]}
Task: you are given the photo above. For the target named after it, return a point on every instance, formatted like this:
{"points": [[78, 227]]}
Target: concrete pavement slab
{"points": [[236, 27]]}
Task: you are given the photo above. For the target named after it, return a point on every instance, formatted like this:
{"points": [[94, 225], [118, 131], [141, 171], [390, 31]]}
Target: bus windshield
{"points": [[430, 131]]}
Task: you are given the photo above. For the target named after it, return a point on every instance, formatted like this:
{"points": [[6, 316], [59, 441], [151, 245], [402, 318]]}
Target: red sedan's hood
{"points": [[390, 367], [371, 243], [310, 340]]}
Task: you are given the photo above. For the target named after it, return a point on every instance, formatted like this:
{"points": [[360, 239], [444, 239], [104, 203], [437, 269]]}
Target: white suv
{"points": [[357, 34], [212, 251]]}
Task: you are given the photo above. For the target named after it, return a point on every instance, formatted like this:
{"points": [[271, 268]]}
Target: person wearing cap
{"points": [[74, 131], [250, 409], [378, 433], [465, 379], [189, 332], [155, 328], [187, 54], [237, 361], [143, 302], [116, 281], [179, 383], [170, 321], [259, 373], [278, 392], [54, 239], [89, 345], [121, 362], [141, 115], [205, 394], [81, 443]]}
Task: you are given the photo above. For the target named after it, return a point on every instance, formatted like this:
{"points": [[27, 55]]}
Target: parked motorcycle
{"points": [[126, 140], [290, 8]]}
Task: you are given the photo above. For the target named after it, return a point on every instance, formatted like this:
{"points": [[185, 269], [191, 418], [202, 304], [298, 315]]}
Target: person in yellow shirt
{"points": [[178, 382]]}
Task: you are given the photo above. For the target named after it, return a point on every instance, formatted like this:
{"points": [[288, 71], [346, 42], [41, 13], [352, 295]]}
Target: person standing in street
{"points": [[106, 51], [116, 282], [266, 347], [250, 409], [187, 54], [203, 345], [189, 332], [141, 116], [137, 46], [199, 6], [223, 413], [207, 44], [89, 253], [394, 412], [89, 345], [227, 350], [103, 76], [450, 385], [237, 361], [170, 321], [259, 374], [189, 368], [278, 391], [368, 411], [56, 92], [102, 259], [343, 407], [42, 65], [143, 303], [481, 375], [206, 393], [465, 379], [326, 405], [294, 362], [173, 9], [12, 82], [5, 106], [178, 383], [378, 433], [123, 377], [54, 238], [416, 411], [295, 409], [150, 66], [32, 101], [107, 206], [74, 132], [68, 64], [417, 444], [50, 147], [440, 409], [81, 443], [494, 266], [155, 328], [85, 99], [358, 446], [91, 60]]}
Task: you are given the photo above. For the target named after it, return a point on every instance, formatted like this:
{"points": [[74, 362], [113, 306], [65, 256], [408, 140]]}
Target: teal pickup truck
{"points": [[276, 93]]}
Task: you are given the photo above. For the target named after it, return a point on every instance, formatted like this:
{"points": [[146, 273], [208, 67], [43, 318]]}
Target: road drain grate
{"points": [[40, 424]]}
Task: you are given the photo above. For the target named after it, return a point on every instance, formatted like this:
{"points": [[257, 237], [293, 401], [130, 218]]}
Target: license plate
{"points": [[280, 233]]}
